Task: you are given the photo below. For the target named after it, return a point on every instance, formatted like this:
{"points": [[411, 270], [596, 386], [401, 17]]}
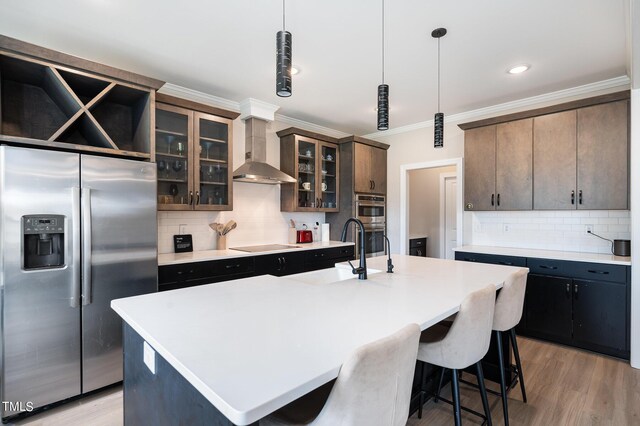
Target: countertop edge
{"points": [[165, 259], [569, 256]]}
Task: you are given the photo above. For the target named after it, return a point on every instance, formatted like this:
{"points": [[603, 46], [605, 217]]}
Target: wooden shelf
{"points": [[169, 132], [328, 192], [304, 157], [211, 160], [213, 183], [328, 161], [307, 173], [172, 180], [164, 154]]}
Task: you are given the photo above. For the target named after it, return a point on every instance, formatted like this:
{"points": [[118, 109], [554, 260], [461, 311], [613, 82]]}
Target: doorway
{"points": [[432, 207]]}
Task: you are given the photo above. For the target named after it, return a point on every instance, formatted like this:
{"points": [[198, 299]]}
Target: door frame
{"points": [[404, 199], [443, 213]]}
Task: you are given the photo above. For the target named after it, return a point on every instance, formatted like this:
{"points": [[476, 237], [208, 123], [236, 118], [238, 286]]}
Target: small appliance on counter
{"points": [[618, 247], [304, 235]]}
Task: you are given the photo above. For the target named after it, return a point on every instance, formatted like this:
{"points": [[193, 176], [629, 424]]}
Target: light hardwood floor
{"points": [[564, 387]]}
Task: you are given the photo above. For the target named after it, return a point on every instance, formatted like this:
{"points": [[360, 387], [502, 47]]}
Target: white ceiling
{"points": [[227, 49]]}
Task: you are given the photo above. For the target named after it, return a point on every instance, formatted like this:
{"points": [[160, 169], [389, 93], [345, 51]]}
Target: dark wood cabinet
{"points": [[314, 161], [582, 304], [46, 103], [370, 169], [554, 161], [194, 152], [569, 156], [603, 156]]}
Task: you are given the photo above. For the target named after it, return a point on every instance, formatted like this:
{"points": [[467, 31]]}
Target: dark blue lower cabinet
{"points": [[581, 304]]}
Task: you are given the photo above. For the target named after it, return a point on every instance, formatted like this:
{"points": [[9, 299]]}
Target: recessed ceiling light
{"points": [[518, 69], [294, 70]]}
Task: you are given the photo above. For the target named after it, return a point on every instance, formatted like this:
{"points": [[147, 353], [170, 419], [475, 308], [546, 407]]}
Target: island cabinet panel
{"points": [[514, 165], [554, 161], [603, 156], [480, 168], [582, 304], [163, 398]]}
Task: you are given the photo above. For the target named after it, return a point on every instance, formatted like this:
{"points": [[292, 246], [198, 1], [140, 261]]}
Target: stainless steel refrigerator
{"points": [[76, 231]]}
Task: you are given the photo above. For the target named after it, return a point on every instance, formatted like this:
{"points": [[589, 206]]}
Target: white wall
{"points": [[256, 207], [424, 206]]}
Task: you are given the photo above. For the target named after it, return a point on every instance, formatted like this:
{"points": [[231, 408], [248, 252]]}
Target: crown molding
{"points": [[251, 107], [205, 98], [311, 127], [621, 82], [197, 96]]}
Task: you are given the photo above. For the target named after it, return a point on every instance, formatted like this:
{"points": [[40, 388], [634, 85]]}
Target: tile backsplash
{"points": [[256, 210], [551, 230]]}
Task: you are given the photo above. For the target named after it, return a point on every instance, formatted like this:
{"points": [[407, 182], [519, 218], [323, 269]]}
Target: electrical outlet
{"points": [[588, 229], [506, 227], [149, 357]]}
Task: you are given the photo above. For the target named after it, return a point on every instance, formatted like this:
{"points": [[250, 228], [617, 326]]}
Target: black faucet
{"points": [[362, 269], [389, 262]]}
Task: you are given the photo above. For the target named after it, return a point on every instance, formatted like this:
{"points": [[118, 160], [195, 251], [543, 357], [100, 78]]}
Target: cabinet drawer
{"points": [[280, 264], [342, 253], [598, 271], [241, 265], [492, 258], [548, 267], [181, 273]]}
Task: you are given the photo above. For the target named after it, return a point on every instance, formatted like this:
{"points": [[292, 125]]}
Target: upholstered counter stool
{"points": [[373, 388], [508, 312], [461, 345]]}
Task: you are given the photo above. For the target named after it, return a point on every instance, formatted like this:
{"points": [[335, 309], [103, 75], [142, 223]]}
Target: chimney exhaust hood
{"points": [[255, 169]]}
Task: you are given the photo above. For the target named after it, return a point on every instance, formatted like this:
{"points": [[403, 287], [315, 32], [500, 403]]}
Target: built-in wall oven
{"points": [[370, 209]]}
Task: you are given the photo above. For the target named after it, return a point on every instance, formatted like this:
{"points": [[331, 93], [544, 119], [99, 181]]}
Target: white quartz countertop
{"points": [[205, 255], [253, 345], [548, 254]]}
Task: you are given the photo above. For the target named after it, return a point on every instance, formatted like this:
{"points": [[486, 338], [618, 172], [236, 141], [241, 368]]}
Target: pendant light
{"points": [[383, 90], [283, 60], [438, 120]]}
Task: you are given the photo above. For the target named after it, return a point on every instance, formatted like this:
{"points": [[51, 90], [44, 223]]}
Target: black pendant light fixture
{"points": [[438, 120], [383, 90], [283, 60]]}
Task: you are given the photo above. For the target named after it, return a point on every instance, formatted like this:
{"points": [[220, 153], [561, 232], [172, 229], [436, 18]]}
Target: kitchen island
{"points": [[233, 352]]}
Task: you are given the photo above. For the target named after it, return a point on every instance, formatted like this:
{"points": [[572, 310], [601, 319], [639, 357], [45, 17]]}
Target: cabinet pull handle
{"points": [[506, 263], [573, 197], [575, 288], [284, 262], [374, 184], [237, 265], [568, 288], [498, 199], [580, 197], [190, 197], [493, 199], [547, 267], [593, 271], [198, 197]]}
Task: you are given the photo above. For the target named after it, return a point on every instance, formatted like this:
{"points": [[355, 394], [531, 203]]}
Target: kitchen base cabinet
{"points": [[172, 277], [280, 264], [581, 304]]}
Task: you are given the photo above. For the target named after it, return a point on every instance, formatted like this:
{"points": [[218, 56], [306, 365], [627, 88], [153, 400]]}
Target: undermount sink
{"points": [[330, 275]]}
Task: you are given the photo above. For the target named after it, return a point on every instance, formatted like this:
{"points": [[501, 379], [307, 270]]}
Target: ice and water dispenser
{"points": [[43, 241]]}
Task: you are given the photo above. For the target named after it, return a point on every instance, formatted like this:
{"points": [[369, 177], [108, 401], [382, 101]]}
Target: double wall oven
{"points": [[370, 209]]}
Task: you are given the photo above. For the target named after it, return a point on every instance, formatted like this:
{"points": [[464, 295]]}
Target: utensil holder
{"points": [[222, 242]]}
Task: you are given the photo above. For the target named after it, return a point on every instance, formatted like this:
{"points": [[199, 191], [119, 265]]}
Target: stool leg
{"points": [[516, 353], [422, 391], [503, 387], [435, 399], [455, 391], [483, 392]]}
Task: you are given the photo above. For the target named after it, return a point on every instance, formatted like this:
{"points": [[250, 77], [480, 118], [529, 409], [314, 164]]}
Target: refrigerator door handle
{"points": [[86, 246], [74, 301]]}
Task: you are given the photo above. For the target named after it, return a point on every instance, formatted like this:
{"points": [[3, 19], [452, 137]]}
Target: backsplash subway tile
{"points": [[550, 230]]}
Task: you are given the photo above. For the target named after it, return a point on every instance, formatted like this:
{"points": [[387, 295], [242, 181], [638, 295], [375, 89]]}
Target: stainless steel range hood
{"points": [[255, 169]]}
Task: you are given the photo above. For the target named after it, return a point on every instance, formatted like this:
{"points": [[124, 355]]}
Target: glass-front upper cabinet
{"points": [[314, 163], [193, 154]]}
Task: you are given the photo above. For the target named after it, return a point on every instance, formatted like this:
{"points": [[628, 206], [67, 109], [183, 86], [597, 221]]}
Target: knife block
{"points": [[222, 242]]}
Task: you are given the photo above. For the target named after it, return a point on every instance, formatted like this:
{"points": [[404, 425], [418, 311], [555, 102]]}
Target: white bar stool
{"points": [[372, 388], [464, 344], [508, 312]]}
